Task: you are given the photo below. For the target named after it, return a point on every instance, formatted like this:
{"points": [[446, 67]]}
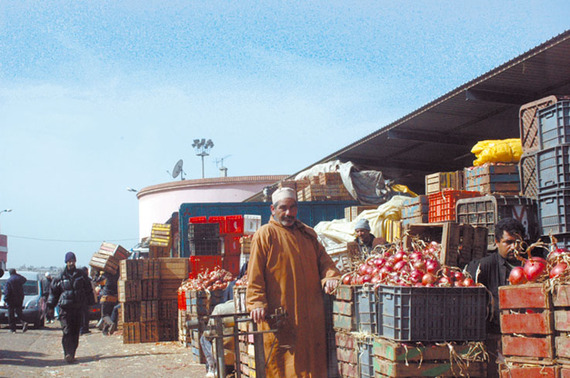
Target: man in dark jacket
{"points": [[71, 290], [14, 298], [493, 271]]}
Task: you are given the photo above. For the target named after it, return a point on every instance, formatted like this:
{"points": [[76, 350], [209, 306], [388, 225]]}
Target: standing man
{"points": [[71, 290], [289, 268], [46, 284], [493, 271], [14, 298]]}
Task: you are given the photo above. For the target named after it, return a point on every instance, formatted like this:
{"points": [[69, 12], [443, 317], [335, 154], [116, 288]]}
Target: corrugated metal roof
{"points": [[439, 136]]}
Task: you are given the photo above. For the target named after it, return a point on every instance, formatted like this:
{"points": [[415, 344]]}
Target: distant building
{"points": [[158, 202], [3, 251]]}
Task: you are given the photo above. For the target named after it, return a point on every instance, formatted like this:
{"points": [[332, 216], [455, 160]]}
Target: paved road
{"points": [[38, 353]]}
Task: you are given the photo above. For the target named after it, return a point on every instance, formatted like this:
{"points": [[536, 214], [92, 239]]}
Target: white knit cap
{"points": [[283, 193]]}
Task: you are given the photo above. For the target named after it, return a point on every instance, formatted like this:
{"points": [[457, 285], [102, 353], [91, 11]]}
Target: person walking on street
{"points": [[71, 290], [46, 284], [14, 298], [289, 268]]}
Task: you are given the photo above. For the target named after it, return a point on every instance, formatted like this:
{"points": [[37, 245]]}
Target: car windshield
{"points": [[30, 287]]}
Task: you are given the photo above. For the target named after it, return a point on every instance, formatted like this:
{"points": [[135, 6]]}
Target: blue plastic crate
{"points": [[366, 357], [554, 125], [553, 168], [366, 309], [432, 313], [553, 208]]}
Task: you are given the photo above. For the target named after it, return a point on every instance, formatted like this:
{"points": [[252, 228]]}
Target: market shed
{"points": [[442, 133]]}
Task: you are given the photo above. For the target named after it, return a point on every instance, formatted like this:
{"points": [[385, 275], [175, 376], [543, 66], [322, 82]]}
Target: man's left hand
{"points": [[330, 285]]}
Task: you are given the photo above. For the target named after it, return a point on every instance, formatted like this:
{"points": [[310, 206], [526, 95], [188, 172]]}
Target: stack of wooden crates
{"points": [[535, 329], [148, 294]]}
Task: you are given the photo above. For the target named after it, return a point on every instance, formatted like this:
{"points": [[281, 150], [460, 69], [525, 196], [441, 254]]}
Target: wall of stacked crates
{"points": [[407, 331], [215, 242]]}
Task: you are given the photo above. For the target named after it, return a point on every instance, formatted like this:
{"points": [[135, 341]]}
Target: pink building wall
{"points": [[158, 202]]}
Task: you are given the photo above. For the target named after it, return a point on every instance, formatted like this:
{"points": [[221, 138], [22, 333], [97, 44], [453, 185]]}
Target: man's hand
{"points": [[330, 285], [258, 314]]}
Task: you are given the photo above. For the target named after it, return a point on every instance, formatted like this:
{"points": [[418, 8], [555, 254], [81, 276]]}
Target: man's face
{"points": [[70, 265], [363, 234], [285, 212], [506, 246]]}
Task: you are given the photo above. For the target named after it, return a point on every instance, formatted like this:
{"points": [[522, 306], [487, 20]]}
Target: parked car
{"points": [[34, 302]]}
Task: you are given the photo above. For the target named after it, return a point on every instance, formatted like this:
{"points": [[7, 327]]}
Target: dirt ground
{"points": [[39, 353]]}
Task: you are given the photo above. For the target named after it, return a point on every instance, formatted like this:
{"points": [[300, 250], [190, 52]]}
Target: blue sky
{"points": [[96, 96]]}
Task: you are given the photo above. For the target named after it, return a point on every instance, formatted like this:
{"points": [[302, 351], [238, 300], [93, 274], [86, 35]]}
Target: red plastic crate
{"points": [[231, 264], [442, 204], [232, 245], [198, 264], [221, 220], [181, 300], [234, 224], [197, 220]]}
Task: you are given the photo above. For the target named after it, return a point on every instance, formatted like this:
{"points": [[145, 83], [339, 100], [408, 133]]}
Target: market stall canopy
{"points": [[442, 133]]}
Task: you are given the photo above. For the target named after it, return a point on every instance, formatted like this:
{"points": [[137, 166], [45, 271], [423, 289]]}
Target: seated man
{"points": [[364, 238], [206, 340]]}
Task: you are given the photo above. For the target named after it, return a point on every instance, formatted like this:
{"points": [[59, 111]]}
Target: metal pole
{"points": [[202, 164]]}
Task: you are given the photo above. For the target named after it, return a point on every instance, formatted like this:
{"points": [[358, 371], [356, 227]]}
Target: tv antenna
{"points": [[177, 170], [220, 165]]}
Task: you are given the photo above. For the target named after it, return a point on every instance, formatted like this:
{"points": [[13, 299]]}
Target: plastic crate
{"points": [[486, 211], [200, 247], [553, 168], [553, 210], [232, 245], [200, 231], [251, 223], [527, 172], [197, 220], [554, 125], [528, 121], [231, 264], [221, 220], [442, 204], [366, 357], [199, 264], [432, 313], [234, 224], [366, 309]]}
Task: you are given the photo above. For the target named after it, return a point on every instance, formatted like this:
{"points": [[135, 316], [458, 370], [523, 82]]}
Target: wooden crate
{"points": [[150, 269], [161, 236], [169, 289], [149, 310], [104, 262], [129, 291], [149, 331], [343, 308], [167, 309], [150, 289], [539, 348], [130, 269], [115, 250], [386, 368], [155, 252], [131, 333], [245, 244], [168, 330], [517, 369], [438, 181], [173, 268], [460, 243], [351, 212], [330, 178], [130, 312]]}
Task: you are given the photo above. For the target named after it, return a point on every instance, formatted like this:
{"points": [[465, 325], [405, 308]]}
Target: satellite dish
{"points": [[177, 169]]}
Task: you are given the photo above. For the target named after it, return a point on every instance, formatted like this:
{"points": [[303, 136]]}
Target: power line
{"points": [[67, 241]]}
